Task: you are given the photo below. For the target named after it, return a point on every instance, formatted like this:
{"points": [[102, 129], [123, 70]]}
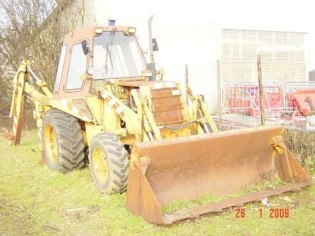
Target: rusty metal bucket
{"points": [[187, 168]]}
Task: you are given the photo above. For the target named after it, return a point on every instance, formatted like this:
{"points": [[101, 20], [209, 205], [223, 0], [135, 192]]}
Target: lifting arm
{"points": [[199, 106]]}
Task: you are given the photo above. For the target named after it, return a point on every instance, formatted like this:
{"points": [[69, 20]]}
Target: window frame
{"points": [[60, 68], [141, 58]]}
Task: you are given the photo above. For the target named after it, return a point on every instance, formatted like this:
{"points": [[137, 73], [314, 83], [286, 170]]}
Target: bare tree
{"points": [[34, 29]]}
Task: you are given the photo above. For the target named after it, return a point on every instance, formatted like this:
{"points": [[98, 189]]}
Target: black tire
{"points": [[62, 141], [108, 163]]}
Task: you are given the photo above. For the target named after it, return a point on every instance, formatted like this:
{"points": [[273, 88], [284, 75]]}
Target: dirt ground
{"points": [[15, 219]]}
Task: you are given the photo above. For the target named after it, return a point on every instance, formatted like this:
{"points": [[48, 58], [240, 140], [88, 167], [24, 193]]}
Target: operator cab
{"points": [[91, 56]]}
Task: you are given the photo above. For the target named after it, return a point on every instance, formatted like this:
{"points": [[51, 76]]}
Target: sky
{"points": [[278, 15]]}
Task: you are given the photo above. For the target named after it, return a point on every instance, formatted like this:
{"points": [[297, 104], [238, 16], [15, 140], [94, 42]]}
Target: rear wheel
{"points": [[108, 163], [62, 141]]}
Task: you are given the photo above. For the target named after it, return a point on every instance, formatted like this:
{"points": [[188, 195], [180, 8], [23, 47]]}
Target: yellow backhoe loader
{"points": [[139, 133]]}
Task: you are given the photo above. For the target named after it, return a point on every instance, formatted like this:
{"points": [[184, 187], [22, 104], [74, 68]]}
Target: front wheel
{"points": [[108, 163]]}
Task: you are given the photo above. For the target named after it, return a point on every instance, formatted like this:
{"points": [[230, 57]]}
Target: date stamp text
{"points": [[274, 213]]}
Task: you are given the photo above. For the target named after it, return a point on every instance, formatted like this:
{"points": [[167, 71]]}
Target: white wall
{"points": [[101, 11]]}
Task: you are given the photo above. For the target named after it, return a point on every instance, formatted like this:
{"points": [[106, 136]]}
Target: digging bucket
{"points": [[188, 168]]}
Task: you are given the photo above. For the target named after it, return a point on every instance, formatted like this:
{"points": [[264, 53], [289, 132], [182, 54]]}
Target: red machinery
{"points": [[245, 99], [302, 101]]}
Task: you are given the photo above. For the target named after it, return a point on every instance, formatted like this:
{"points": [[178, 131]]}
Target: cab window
{"points": [[60, 67], [76, 68]]}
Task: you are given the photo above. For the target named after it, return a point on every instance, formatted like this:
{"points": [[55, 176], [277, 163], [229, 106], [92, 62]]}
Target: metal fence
{"points": [[242, 99], [287, 99]]}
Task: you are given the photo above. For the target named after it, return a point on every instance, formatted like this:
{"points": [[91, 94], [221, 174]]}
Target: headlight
{"points": [[98, 30], [131, 30]]}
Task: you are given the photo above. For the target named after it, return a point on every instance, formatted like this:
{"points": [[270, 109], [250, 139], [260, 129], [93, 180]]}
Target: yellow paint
{"points": [[100, 165], [51, 142], [92, 130], [190, 130]]}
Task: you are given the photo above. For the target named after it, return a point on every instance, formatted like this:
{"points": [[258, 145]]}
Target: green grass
{"points": [[36, 201], [263, 185], [302, 143]]}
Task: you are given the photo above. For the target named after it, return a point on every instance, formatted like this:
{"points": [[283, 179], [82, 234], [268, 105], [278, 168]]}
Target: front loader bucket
{"points": [[187, 168]]}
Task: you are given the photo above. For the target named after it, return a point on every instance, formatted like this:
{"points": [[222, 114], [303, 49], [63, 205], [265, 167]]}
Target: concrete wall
{"points": [[312, 75]]}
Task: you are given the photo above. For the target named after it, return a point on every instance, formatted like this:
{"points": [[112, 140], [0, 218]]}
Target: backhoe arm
{"points": [[22, 87]]}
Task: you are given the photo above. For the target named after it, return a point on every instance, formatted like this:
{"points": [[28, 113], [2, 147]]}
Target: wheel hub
{"points": [[100, 166], [51, 142]]}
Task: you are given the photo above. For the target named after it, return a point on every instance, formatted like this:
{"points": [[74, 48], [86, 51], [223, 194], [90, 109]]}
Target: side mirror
{"points": [[85, 47], [155, 45]]}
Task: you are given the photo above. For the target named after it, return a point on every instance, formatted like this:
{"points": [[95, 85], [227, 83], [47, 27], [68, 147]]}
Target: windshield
{"points": [[116, 55]]}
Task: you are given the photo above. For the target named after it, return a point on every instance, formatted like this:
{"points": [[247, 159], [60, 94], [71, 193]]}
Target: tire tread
{"points": [[70, 140]]}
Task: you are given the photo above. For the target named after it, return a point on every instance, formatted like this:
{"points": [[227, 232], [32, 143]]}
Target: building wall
{"points": [[282, 55], [312, 75], [83, 12]]}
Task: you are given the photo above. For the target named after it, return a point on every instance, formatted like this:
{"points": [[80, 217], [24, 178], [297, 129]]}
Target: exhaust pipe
{"points": [[153, 77]]}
